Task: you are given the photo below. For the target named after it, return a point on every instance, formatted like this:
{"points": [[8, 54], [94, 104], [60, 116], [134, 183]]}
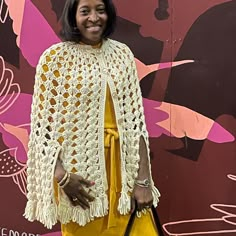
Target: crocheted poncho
{"points": [[68, 116]]}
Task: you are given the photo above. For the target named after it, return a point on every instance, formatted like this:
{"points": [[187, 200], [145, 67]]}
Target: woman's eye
{"points": [[101, 10], [84, 12]]}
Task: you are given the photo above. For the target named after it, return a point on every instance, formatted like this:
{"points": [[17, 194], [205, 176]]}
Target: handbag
{"points": [[156, 221]]}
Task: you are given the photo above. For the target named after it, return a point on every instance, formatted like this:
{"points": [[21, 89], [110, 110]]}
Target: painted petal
{"points": [[154, 115], [20, 133], [21, 106], [9, 166], [144, 70], [16, 12], [34, 32], [179, 121], [9, 91], [218, 134], [185, 122], [15, 137], [20, 181]]}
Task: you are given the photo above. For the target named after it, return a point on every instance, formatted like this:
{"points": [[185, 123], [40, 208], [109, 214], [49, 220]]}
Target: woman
{"points": [[88, 131]]}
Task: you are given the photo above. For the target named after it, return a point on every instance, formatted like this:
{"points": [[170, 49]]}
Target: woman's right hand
{"points": [[75, 188], [75, 191]]}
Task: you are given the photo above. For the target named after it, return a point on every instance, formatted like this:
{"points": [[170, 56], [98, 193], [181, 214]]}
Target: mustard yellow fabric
{"points": [[114, 223]]}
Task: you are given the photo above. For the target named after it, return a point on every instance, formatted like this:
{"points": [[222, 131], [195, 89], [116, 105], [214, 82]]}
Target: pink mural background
{"points": [[185, 56]]}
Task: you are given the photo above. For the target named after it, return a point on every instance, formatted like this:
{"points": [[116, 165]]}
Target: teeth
{"points": [[94, 28]]}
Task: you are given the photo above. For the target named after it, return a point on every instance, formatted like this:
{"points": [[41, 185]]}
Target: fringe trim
{"points": [[46, 214], [67, 213], [156, 194], [124, 205], [49, 214], [30, 211]]}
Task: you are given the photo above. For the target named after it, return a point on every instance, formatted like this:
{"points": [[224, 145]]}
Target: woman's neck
{"points": [[98, 45]]}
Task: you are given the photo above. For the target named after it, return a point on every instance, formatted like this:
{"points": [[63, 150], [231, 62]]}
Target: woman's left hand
{"points": [[143, 198]]}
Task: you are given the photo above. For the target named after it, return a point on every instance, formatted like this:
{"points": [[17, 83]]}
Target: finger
{"points": [[150, 203], [73, 202], [133, 204], [146, 205], [77, 201], [86, 195], [83, 201], [82, 205], [140, 205], [86, 182]]}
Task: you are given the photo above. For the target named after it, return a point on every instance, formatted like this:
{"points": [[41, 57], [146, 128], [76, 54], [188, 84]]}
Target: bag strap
{"points": [[155, 217], [130, 223], [157, 221]]}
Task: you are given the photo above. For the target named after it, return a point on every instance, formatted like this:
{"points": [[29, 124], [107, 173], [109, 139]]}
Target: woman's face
{"points": [[91, 20]]}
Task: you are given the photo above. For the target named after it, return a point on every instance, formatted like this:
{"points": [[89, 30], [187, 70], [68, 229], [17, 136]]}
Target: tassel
{"points": [[64, 213], [156, 194], [39, 211], [83, 218], [105, 205], [48, 215], [30, 211], [124, 205], [99, 208], [51, 214]]}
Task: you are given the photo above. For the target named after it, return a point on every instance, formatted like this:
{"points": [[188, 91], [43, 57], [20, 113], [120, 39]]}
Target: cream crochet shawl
{"points": [[68, 116]]}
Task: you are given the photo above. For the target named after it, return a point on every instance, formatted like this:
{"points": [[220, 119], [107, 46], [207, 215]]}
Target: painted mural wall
{"points": [[185, 55]]}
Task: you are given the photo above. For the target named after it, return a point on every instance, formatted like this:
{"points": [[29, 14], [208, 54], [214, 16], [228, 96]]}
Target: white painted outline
{"points": [[3, 18], [19, 177], [8, 88], [217, 207]]}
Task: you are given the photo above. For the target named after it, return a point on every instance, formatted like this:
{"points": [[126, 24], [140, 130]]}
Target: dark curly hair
{"points": [[70, 32]]}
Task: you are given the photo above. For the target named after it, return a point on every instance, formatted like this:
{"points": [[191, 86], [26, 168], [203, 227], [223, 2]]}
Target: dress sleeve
{"points": [[44, 143]]}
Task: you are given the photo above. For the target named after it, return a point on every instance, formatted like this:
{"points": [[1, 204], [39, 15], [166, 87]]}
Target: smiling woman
{"points": [[91, 20], [78, 15], [88, 133]]}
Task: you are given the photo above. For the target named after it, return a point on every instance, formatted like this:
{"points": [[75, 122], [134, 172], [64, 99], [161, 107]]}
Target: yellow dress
{"points": [[114, 223]]}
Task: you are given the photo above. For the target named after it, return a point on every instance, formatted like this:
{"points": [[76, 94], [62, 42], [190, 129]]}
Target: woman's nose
{"points": [[93, 17]]}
